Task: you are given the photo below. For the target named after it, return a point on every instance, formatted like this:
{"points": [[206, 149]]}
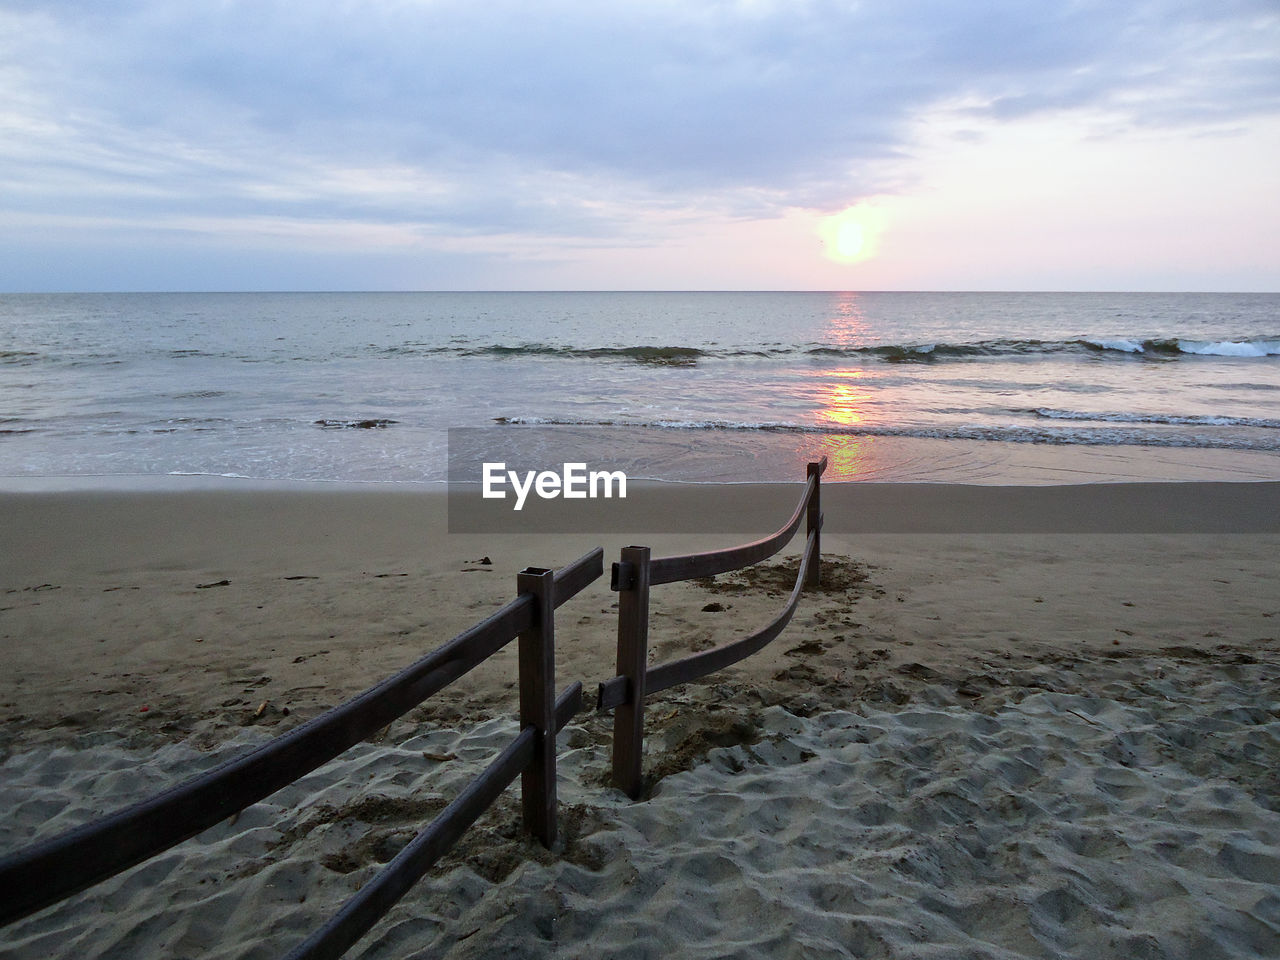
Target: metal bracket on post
{"points": [[622, 576], [814, 525], [633, 651], [537, 654]]}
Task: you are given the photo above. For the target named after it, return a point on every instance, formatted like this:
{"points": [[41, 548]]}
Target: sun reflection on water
{"points": [[847, 324], [843, 398], [848, 457]]}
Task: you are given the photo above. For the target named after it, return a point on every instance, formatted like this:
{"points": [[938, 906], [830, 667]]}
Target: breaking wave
{"points": [[370, 424], [1266, 347], [1185, 420], [1156, 348], [677, 356], [1105, 436], [924, 352]]}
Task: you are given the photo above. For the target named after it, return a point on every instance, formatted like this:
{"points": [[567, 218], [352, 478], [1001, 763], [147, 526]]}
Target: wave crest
{"points": [[923, 352], [1185, 420], [1119, 435], [1174, 346], [676, 356]]}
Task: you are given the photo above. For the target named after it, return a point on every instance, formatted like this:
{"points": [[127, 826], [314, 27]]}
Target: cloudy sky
{"points": [[574, 144]]}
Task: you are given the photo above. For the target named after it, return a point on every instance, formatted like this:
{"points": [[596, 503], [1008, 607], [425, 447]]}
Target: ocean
{"points": [[716, 387]]}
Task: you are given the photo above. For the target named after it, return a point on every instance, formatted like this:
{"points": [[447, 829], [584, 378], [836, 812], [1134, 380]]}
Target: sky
{"points": [[662, 144]]}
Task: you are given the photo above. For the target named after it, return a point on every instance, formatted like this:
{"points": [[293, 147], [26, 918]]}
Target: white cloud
{"points": [[573, 123]]}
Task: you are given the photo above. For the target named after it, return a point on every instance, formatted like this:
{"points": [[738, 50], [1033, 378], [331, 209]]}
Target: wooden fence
{"points": [[637, 572], [51, 871]]}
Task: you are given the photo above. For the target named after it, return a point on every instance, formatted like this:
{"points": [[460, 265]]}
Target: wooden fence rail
{"points": [[50, 871], [637, 572], [53, 870], [420, 854]]}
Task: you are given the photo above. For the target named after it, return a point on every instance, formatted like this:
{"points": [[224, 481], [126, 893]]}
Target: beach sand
{"points": [[966, 743]]}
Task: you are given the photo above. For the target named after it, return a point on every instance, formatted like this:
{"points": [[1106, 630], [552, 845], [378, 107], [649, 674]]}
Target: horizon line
{"points": [[591, 290]]}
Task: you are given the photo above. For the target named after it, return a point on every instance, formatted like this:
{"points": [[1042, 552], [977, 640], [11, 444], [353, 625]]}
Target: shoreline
{"points": [[111, 601], [126, 511], [764, 457]]}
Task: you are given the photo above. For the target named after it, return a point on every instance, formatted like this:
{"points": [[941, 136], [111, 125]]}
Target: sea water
{"points": [[973, 387]]}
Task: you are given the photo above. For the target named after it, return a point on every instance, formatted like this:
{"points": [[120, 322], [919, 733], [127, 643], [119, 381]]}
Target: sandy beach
{"points": [[968, 743]]}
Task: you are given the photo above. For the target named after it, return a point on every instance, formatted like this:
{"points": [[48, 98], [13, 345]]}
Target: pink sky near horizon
{"points": [[641, 146]]}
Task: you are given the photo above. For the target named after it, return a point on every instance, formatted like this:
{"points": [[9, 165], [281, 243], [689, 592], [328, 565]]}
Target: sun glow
{"points": [[853, 235], [850, 239]]}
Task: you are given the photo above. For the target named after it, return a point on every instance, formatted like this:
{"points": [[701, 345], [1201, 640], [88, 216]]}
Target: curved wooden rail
{"points": [[50, 871], [693, 565], [632, 577], [700, 664], [613, 693]]}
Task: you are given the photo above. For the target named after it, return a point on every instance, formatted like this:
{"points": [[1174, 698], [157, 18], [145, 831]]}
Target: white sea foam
{"points": [[1125, 432], [1231, 348], [1121, 346], [1198, 420], [1262, 347]]}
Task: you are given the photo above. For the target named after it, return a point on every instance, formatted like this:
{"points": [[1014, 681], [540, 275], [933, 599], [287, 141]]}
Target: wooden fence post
{"points": [[537, 655], [631, 579], [814, 526]]}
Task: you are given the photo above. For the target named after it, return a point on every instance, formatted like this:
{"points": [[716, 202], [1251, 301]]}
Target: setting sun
{"points": [[850, 238], [852, 235]]}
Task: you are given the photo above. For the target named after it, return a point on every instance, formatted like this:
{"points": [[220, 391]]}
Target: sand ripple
{"points": [[1139, 822]]}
